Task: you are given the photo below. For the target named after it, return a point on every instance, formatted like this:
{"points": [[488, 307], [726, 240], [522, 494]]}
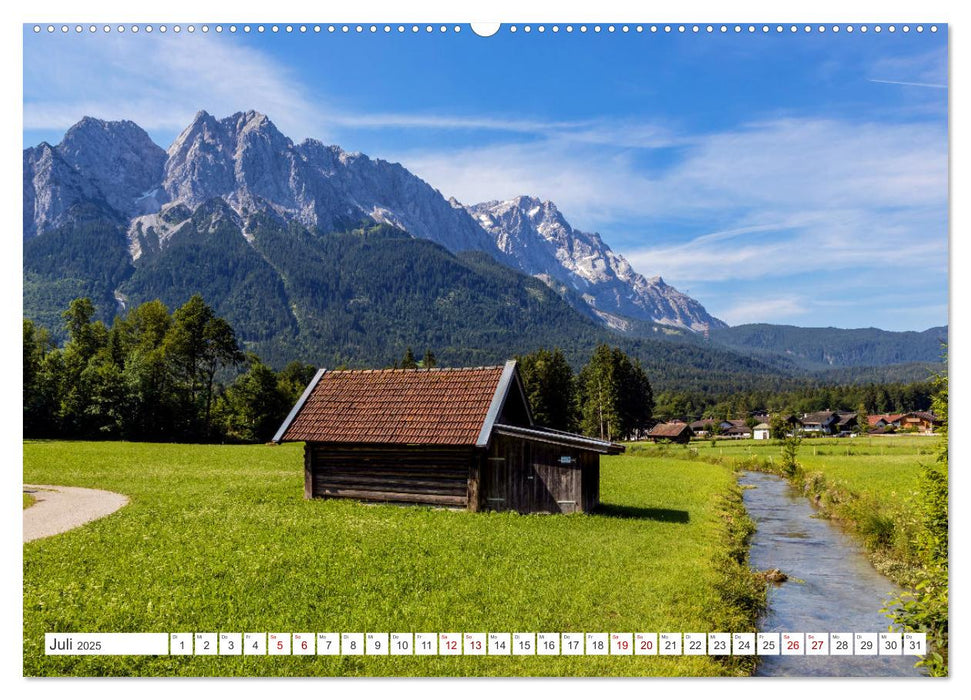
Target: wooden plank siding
{"points": [[590, 480], [529, 477], [518, 474], [399, 474]]}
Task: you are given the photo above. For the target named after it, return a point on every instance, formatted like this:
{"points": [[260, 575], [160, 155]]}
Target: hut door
{"points": [[496, 481], [532, 479]]}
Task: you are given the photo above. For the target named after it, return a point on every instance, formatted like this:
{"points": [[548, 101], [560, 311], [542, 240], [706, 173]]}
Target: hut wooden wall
{"points": [[590, 480], [528, 476], [431, 475]]}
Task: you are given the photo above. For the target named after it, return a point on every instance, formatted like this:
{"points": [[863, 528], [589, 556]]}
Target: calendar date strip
{"points": [[485, 644]]}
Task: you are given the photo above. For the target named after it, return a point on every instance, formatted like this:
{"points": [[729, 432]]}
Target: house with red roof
{"points": [[452, 437]]}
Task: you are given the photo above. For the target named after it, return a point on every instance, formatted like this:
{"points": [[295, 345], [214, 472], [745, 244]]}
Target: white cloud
{"points": [[764, 309], [159, 82], [806, 242], [778, 197], [768, 199]]}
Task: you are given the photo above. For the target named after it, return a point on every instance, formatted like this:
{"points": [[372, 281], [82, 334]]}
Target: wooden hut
{"points": [[671, 432], [461, 437]]}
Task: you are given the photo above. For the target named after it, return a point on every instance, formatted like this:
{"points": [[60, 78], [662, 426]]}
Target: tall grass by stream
{"points": [[881, 490]]}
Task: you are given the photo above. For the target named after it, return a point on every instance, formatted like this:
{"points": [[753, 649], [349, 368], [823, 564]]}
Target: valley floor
{"points": [[219, 538]]}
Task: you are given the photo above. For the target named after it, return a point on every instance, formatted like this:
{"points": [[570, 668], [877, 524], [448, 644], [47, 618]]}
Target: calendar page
{"points": [[514, 349]]}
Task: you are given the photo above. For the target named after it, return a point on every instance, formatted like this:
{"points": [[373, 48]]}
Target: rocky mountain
{"points": [[112, 170], [540, 241], [245, 160], [316, 254], [111, 167]]}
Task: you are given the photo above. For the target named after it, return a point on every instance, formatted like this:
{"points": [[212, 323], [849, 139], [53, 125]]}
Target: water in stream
{"points": [[837, 589]]}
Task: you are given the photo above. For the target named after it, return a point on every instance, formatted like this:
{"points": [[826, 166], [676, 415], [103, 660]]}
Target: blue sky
{"points": [[780, 177]]}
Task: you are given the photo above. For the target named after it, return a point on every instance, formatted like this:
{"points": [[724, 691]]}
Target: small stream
{"points": [[836, 589]]}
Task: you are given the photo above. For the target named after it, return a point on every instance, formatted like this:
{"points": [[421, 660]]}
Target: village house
{"points": [[821, 422], [882, 421], [922, 421], [736, 429], [763, 431], [462, 437], [702, 428], [919, 421], [846, 421]]}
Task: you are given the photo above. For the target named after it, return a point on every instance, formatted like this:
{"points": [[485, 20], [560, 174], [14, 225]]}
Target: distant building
{"points": [[821, 422], [702, 428], [673, 432], [736, 429], [877, 422], [763, 431], [847, 423], [921, 421]]}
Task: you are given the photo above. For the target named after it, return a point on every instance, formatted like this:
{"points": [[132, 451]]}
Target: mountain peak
{"points": [[201, 119], [92, 127], [534, 233], [242, 163], [527, 200], [248, 120], [87, 122]]}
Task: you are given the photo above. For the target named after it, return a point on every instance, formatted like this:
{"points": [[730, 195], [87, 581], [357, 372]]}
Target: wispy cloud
{"points": [[771, 199], [445, 121], [760, 309], [924, 69], [160, 82], [904, 82], [826, 242], [730, 179]]}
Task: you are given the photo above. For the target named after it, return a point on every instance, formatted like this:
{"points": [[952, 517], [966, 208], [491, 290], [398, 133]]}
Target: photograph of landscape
{"points": [[553, 331]]}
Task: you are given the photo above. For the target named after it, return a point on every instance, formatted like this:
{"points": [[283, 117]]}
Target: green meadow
{"points": [[882, 467], [220, 539], [868, 483]]}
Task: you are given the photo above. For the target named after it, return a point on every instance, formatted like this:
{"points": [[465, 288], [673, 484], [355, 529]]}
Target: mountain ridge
{"points": [[245, 160], [314, 253]]}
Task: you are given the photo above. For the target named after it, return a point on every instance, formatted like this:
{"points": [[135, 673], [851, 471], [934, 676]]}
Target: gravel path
{"points": [[62, 508]]}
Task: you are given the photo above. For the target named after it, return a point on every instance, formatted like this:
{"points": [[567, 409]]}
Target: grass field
{"points": [[219, 538], [881, 467], [29, 501]]}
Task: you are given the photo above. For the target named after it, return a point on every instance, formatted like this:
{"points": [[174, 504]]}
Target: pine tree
{"points": [[408, 361], [615, 396], [550, 388]]}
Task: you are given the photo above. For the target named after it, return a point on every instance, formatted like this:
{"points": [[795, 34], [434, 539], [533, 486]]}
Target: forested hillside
{"points": [[823, 348]]}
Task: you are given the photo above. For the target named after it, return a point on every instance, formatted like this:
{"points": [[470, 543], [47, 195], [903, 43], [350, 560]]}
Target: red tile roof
{"points": [[437, 406]]}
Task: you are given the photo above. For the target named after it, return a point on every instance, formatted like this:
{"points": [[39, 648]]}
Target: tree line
{"points": [[182, 376], [609, 398], [152, 375], [870, 399]]}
